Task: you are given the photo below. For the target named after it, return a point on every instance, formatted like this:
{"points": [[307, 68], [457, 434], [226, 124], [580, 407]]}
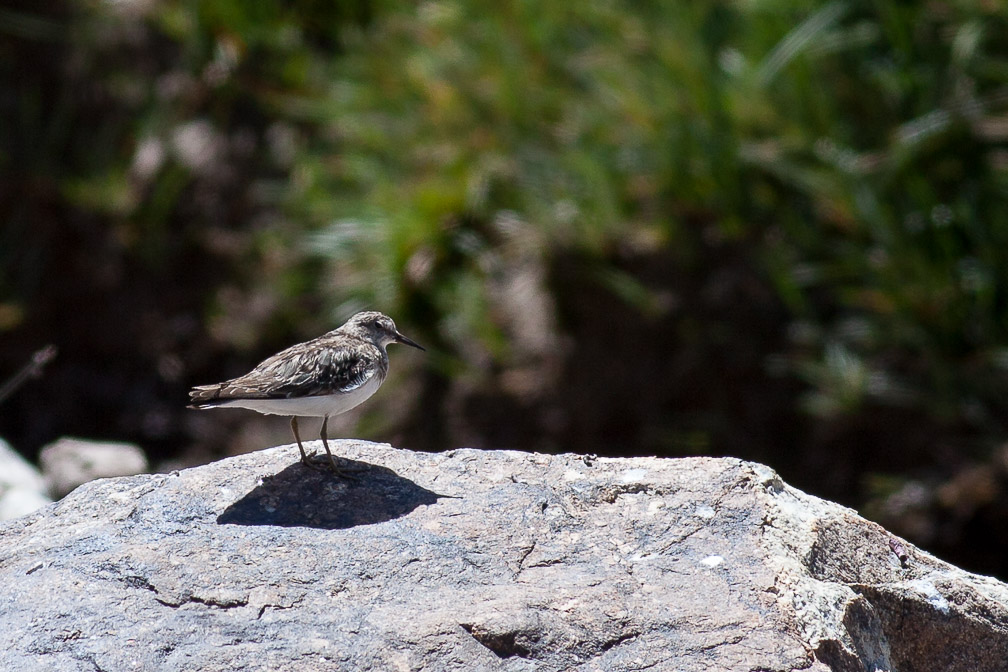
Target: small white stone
{"points": [[69, 462], [22, 489]]}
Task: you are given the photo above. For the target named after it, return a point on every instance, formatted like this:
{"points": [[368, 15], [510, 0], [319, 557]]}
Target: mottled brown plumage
{"points": [[326, 376]]}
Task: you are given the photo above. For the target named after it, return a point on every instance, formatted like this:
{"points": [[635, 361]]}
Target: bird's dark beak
{"points": [[402, 339]]}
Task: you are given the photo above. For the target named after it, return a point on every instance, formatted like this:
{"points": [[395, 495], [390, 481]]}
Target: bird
{"points": [[322, 377]]}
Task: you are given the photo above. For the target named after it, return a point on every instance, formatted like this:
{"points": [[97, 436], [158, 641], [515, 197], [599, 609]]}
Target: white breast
{"points": [[330, 404]]}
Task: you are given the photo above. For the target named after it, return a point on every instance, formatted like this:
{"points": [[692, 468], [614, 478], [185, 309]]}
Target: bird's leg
{"points": [[344, 471], [294, 428], [325, 444]]}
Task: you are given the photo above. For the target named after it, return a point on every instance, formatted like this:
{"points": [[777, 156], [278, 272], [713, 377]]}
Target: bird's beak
{"points": [[402, 339]]}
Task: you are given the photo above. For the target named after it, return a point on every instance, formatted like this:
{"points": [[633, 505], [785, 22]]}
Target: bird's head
{"points": [[378, 328]]}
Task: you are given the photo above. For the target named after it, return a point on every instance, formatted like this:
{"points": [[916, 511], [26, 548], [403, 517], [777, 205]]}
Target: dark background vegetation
{"points": [[651, 228]]}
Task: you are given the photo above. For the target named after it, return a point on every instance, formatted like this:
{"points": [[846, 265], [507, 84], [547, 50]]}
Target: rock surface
{"points": [[472, 560]]}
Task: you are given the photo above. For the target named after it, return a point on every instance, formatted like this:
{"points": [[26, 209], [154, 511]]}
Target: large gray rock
{"points": [[474, 560]]}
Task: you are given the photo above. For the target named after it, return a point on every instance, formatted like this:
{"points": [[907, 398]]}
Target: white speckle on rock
{"points": [[928, 589], [705, 511], [633, 475], [571, 475], [712, 561]]}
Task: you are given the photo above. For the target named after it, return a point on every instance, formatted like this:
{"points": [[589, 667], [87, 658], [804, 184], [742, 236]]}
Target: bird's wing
{"points": [[297, 372]]}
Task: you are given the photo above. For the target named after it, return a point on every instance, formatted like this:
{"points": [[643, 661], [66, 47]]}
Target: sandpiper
{"points": [[320, 378]]}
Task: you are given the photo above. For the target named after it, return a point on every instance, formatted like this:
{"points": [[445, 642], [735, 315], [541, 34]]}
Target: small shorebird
{"points": [[323, 377]]}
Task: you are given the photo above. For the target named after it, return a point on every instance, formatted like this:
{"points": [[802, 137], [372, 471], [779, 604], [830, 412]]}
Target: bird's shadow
{"points": [[300, 496]]}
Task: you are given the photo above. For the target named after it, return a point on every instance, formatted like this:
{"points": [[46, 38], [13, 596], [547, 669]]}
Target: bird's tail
{"points": [[205, 396]]}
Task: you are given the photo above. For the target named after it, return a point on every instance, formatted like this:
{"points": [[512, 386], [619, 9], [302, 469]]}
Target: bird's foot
{"points": [[312, 461], [339, 466]]}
